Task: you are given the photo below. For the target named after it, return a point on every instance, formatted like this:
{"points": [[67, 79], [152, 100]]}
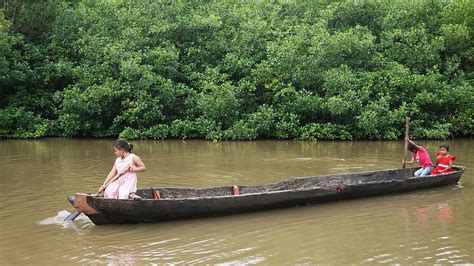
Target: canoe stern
{"points": [[82, 202]]}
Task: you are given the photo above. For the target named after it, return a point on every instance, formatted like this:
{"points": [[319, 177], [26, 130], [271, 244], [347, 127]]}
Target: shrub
{"points": [[20, 123], [156, 132], [315, 131], [130, 133]]}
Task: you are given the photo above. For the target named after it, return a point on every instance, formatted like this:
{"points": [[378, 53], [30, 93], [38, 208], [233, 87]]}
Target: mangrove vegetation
{"points": [[236, 70]]}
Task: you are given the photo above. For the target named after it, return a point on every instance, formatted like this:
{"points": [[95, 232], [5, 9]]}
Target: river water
{"points": [[431, 226]]}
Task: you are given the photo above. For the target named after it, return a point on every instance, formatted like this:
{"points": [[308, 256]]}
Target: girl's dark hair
{"points": [[123, 145], [444, 145], [412, 148]]}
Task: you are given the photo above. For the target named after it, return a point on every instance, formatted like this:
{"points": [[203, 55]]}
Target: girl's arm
{"points": [[412, 160], [138, 165], [449, 167], [111, 174], [414, 144]]}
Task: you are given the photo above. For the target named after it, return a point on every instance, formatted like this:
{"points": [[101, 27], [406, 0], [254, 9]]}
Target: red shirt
{"points": [[423, 157]]}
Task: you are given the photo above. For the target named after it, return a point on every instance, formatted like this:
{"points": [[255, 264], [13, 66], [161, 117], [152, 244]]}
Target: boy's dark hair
{"points": [[412, 148], [444, 145], [123, 145]]}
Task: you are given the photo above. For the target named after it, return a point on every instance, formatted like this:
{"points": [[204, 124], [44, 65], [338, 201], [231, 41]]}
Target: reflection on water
{"points": [[444, 211], [432, 226]]}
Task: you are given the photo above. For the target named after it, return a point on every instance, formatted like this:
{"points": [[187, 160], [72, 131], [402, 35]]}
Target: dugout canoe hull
{"points": [[184, 203]]}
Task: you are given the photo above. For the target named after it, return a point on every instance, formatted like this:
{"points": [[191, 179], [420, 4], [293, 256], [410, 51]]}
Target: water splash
{"points": [[59, 219]]}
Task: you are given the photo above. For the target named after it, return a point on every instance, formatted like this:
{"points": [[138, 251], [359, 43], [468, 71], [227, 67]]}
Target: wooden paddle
{"points": [[75, 213], [407, 131], [72, 216], [117, 176]]}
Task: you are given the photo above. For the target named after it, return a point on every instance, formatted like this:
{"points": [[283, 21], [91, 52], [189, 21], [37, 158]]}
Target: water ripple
{"points": [[430, 227]]}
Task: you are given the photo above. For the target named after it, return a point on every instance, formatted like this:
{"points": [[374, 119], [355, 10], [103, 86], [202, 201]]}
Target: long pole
{"points": [[407, 131]]}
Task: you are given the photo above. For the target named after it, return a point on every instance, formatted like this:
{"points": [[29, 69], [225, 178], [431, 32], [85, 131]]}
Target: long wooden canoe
{"points": [[182, 203]]}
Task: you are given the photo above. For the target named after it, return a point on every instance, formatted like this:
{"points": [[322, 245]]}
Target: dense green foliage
{"points": [[236, 69]]}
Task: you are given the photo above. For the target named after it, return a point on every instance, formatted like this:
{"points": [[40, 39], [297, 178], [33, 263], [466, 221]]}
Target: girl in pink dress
{"points": [[126, 166]]}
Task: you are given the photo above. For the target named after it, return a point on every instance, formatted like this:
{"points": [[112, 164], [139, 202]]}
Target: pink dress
{"points": [[124, 185]]}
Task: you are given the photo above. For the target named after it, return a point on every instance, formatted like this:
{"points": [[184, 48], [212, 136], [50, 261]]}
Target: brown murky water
{"points": [[431, 226]]}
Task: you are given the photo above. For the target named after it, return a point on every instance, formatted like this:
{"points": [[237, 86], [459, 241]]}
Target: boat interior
{"points": [[298, 183]]}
